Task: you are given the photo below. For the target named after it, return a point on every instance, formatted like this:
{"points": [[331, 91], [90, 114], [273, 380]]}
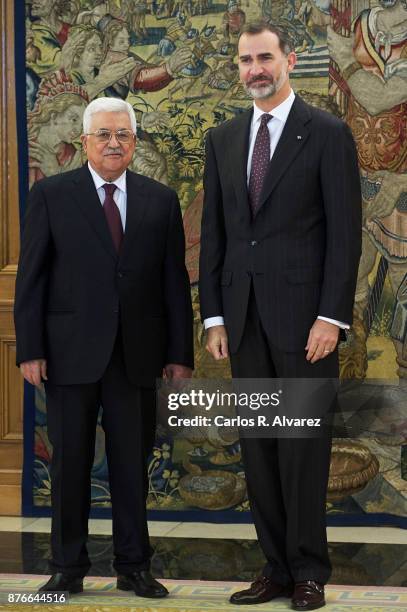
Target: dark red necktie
{"points": [[260, 162], [113, 215]]}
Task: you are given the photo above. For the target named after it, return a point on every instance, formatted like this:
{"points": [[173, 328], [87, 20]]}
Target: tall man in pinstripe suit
{"points": [[280, 247]]}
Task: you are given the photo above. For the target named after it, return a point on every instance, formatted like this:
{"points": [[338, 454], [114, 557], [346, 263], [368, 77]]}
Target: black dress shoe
{"points": [[62, 582], [262, 589], [308, 595], [142, 583]]}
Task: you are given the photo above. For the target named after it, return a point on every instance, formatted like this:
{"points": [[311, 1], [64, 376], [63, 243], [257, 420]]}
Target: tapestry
{"points": [[175, 62]]}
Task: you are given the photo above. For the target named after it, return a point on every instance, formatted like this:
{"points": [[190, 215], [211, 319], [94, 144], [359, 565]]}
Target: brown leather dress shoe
{"points": [[308, 595], [262, 589]]}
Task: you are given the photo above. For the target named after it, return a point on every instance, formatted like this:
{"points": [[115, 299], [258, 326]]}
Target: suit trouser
{"points": [[286, 478], [128, 421]]}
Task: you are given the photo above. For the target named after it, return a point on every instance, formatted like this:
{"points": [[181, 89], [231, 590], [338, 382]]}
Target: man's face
{"points": [[263, 67], [111, 159]]}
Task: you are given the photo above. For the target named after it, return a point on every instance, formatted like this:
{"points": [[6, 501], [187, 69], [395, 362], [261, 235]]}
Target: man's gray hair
{"points": [[109, 105]]}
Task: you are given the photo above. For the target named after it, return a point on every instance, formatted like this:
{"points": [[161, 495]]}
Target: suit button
{"points": [[253, 243], [120, 274], [116, 311]]}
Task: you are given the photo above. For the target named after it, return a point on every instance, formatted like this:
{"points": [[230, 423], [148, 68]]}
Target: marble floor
{"points": [[202, 551]]}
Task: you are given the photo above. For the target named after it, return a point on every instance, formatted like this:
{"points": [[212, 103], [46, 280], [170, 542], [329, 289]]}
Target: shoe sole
{"points": [[73, 591], [253, 603], [126, 587], [310, 607]]}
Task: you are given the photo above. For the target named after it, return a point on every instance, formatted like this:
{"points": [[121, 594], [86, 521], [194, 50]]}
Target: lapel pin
{"points": [[299, 137]]}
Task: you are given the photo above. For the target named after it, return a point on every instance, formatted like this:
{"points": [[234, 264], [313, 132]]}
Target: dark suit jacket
{"points": [[301, 250], [72, 289]]}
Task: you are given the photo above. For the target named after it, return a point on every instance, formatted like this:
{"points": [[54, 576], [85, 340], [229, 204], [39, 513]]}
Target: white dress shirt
{"points": [[275, 126], [120, 193]]}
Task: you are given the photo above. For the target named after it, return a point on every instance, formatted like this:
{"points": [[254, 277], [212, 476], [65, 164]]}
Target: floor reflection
{"points": [[211, 559]]}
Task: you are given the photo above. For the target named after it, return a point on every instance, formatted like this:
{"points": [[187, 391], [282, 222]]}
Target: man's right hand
{"points": [[33, 371], [217, 342]]}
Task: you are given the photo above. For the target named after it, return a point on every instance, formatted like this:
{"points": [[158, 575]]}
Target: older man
{"points": [[102, 307]]}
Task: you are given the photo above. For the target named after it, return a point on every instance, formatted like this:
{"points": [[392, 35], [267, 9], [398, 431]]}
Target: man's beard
{"points": [[267, 91]]}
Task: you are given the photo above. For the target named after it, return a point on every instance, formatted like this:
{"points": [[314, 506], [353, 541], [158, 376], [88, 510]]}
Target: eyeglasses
{"points": [[104, 136]]}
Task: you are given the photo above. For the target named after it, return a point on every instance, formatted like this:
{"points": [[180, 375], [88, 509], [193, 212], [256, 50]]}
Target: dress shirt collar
{"points": [[280, 112], [99, 181]]}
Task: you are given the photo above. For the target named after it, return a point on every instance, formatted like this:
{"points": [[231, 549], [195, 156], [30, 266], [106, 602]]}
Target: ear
{"points": [[292, 60], [84, 142]]}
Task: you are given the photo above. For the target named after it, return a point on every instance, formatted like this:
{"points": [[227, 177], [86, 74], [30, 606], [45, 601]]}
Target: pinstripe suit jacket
{"points": [[302, 248]]}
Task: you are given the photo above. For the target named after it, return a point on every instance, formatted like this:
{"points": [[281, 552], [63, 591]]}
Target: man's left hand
{"points": [[174, 371], [322, 340]]}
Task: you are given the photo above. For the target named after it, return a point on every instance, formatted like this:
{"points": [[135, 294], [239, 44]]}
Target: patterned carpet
{"points": [[193, 596]]}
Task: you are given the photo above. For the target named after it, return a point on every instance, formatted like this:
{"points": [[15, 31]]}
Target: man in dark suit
{"points": [[280, 245], [102, 307]]}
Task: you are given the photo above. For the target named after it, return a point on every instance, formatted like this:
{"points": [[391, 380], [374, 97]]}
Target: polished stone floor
{"points": [[235, 556]]}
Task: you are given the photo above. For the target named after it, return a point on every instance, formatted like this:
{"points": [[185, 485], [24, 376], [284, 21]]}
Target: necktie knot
{"points": [[109, 188], [265, 118]]}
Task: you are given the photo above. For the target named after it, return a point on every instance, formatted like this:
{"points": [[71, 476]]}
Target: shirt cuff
{"points": [[338, 323], [212, 321]]}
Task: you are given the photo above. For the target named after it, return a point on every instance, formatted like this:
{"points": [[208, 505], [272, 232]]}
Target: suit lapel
{"points": [[88, 202], [238, 153], [136, 207], [293, 138]]}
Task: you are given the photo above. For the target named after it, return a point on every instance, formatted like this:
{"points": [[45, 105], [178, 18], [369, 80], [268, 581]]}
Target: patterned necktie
{"points": [[112, 214], [260, 162]]}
